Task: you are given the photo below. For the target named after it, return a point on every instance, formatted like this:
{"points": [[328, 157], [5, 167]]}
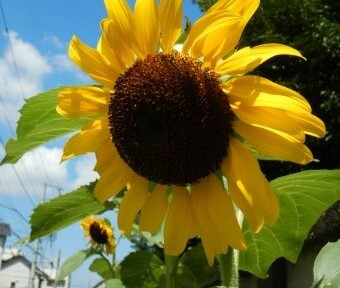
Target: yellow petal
{"points": [[258, 91], [154, 210], [113, 180], [310, 124], [178, 222], [223, 216], [120, 31], [121, 10], [216, 45], [82, 101], [90, 139], [242, 199], [227, 5], [247, 59], [171, 17], [105, 156], [245, 173], [105, 48], [92, 62], [147, 26], [211, 24], [120, 47], [269, 117], [133, 201], [274, 143], [211, 240]]}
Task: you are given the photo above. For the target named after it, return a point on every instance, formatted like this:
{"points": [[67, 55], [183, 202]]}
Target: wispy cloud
{"points": [[20, 78], [61, 63], [54, 41], [42, 165]]}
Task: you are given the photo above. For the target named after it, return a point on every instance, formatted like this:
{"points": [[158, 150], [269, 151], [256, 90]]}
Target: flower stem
{"points": [[108, 263], [171, 263], [229, 268]]}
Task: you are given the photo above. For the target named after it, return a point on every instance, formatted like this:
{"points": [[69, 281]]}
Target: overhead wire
{"points": [[19, 179], [7, 116], [10, 44], [16, 211], [11, 49]]}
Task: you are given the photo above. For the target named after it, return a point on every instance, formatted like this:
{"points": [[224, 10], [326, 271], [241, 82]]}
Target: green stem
{"points": [[228, 264], [108, 262], [171, 263]]}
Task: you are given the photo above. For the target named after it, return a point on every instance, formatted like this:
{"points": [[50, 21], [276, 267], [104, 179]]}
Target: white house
{"points": [[15, 273]]}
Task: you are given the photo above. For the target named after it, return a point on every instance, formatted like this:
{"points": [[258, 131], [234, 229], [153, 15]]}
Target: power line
{"points": [[7, 115], [16, 211], [19, 178], [11, 49], [44, 170]]}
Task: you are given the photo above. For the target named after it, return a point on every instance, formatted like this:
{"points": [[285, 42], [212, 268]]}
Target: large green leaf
{"points": [[102, 268], [114, 283], [195, 260], [327, 266], [141, 269], [39, 123], [73, 262], [63, 211], [303, 198]]}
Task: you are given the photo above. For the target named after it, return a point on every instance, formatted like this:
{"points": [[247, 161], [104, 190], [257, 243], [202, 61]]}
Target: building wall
{"points": [[17, 273]]}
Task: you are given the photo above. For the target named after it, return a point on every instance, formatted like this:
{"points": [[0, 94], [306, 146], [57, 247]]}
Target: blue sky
{"points": [[40, 31]]}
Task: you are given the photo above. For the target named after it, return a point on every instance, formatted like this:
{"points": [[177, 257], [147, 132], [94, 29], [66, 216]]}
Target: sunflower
{"points": [[176, 128], [100, 233]]}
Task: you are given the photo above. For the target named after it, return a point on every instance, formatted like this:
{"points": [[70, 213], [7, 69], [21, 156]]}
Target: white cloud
{"points": [[62, 63], [34, 169], [42, 165], [31, 66], [84, 171], [25, 76], [54, 41]]}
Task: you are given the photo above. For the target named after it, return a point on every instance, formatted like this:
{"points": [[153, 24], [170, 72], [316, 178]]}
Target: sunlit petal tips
{"points": [[247, 59], [173, 130]]}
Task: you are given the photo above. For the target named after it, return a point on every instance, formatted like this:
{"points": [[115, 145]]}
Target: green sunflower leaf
{"points": [[38, 124], [327, 266], [303, 198], [74, 262], [102, 268], [195, 260], [114, 283], [63, 211], [142, 269]]}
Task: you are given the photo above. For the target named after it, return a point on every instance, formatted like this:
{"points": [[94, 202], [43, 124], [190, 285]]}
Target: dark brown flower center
{"points": [[170, 119], [98, 234]]}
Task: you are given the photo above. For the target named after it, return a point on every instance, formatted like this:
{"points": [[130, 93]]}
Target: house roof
{"points": [[9, 261]]}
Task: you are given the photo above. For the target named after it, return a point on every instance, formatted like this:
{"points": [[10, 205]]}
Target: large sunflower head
{"points": [[100, 233], [184, 120]]}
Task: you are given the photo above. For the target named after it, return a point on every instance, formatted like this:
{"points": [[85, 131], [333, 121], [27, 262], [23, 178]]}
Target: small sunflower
{"points": [[184, 120], [100, 233]]}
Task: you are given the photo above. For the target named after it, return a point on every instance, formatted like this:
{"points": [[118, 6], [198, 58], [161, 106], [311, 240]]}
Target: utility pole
{"points": [[34, 264], [57, 271], [36, 251]]}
